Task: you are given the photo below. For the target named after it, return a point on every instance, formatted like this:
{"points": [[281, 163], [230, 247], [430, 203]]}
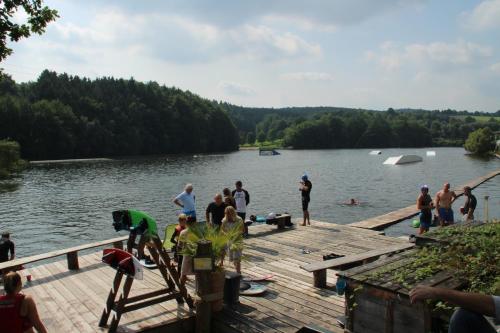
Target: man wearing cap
{"points": [[305, 190], [424, 204], [186, 200], [444, 200], [469, 206], [6, 246]]}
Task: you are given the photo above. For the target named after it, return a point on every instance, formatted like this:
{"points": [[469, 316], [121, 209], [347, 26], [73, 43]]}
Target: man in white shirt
{"points": [[186, 200]]}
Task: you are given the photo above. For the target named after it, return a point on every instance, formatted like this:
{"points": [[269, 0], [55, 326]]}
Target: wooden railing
{"points": [[71, 254]]}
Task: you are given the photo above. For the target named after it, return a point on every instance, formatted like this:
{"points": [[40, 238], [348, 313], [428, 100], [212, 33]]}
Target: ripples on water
{"points": [[62, 205]]}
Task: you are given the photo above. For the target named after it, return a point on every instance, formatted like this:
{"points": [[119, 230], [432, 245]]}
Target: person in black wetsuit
{"points": [[305, 189], [424, 204], [469, 205], [6, 246]]}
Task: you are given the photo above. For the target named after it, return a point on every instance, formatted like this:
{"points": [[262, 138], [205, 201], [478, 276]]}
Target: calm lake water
{"points": [[62, 205]]}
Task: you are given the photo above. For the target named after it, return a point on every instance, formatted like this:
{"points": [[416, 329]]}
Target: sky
{"points": [[277, 53]]}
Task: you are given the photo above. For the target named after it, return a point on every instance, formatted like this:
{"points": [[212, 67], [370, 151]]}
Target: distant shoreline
{"points": [[76, 160]]}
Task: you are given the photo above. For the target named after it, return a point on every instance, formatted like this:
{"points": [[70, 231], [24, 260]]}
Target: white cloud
{"points": [[262, 42], [495, 68], [302, 23], [232, 88], [230, 13], [484, 16], [438, 55], [176, 39], [307, 76]]}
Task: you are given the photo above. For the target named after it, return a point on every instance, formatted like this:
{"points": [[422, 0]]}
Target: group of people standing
{"points": [[214, 213], [226, 212], [443, 206]]}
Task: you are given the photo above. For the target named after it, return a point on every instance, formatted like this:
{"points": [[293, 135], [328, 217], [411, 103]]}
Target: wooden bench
{"points": [[319, 268], [281, 221], [71, 255]]}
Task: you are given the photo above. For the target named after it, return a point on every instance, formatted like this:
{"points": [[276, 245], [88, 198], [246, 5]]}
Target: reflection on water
{"points": [[9, 185], [63, 205]]}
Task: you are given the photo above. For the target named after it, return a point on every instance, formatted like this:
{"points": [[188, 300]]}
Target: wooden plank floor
{"points": [[291, 301], [72, 301], [385, 220]]}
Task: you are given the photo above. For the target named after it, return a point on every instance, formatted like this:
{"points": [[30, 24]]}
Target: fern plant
{"points": [[221, 241]]}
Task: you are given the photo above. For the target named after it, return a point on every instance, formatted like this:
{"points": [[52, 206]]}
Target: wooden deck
{"points": [[385, 220], [72, 301]]}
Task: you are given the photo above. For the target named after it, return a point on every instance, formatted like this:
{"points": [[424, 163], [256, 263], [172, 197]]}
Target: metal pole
{"points": [[486, 212]]}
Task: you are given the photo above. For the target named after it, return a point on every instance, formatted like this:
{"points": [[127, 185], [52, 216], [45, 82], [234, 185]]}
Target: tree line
{"points": [[62, 116], [325, 127]]}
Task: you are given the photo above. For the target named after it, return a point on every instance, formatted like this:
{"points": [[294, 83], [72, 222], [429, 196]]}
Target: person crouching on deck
{"points": [[18, 313], [232, 221]]}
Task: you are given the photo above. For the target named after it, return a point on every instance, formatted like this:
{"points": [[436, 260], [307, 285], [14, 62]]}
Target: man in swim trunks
{"points": [[444, 200], [305, 190], [424, 204]]}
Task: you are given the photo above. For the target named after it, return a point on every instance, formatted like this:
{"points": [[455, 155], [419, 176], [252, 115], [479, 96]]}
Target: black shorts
{"points": [[305, 203]]}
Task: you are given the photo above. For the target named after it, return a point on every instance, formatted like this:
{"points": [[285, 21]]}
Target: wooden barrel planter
{"points": [[217, 280]]}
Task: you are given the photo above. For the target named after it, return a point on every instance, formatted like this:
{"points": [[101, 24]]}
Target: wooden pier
{"points": [[72, 300], [385, 220]]}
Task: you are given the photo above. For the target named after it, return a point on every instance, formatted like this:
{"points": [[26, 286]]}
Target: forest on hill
{"points": [[63, 116], [333, 127]]}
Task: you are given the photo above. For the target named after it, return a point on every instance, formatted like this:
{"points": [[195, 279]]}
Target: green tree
{"points": [[250, 138], [38, 16], [261, 136], [10, 161], [480, 142]]}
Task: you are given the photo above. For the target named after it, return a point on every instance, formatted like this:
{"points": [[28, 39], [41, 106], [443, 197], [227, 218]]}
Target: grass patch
{"points": [[266, 144]]}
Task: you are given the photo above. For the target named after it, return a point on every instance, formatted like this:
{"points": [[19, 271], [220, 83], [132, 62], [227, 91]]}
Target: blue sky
{"points": [[352, 53]]}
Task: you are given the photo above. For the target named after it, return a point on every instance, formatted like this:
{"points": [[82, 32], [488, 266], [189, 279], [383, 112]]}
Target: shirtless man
{"points": [[444, 200]]}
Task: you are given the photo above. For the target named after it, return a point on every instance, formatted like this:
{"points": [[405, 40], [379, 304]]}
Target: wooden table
{"points": [[281, 221]]}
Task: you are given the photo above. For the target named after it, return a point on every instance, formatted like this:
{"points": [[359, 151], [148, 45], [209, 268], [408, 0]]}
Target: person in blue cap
{"points": [[425, 205], [305, 190]]}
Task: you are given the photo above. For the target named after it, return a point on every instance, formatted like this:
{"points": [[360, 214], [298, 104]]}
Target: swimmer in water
{"points": [[352, 202]]}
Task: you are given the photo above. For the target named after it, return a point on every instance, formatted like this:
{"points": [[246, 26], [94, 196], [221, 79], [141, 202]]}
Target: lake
{"points": [[62, 205]]}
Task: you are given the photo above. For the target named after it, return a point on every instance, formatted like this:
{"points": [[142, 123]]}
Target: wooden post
{"points": [[389, 316], [203, 307], [72, 260], [486, 213], [319, 278]]}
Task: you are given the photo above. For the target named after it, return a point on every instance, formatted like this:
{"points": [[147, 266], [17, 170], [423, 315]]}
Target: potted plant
{"points": [[220, 242]]}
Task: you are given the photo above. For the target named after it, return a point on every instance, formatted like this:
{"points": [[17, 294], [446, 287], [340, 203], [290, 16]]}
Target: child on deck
{"points": [[187, 261], [175, 238], [232, 221]]}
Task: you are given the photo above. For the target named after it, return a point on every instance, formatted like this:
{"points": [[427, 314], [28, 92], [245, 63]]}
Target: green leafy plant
{"points": [[221, 241], [469, 252]]}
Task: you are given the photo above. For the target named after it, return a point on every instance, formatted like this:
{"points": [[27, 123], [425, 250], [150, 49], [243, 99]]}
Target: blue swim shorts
{"points": [[446, 214], [425, 220]]}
